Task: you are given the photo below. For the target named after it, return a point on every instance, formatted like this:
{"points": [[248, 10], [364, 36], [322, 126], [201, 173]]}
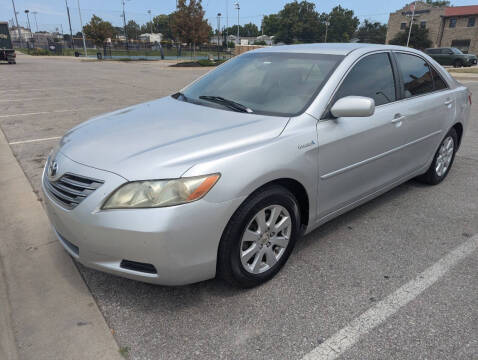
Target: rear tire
{"points": [[250, 253], [443, 160]]}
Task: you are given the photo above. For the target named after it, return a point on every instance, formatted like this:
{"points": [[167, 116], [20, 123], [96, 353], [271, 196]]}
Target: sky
{"points": [[51, 14]]}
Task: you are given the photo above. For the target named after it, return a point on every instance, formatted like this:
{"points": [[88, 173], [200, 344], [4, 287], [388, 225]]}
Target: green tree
{"points": [[161, 24], [343, 24], [419, 38], [98, 30], [438, 3], [250, 30], [372, 32], [271, 24], [298, 22], [132, 30], [188, 22]]}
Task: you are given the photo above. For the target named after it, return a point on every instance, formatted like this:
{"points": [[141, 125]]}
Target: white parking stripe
{"points": [[50, 112], [33, 140], [40, 98], [348, 336]]}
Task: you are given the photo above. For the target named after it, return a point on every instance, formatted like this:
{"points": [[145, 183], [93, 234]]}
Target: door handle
{"points": [[398, 118], [448, 102]]}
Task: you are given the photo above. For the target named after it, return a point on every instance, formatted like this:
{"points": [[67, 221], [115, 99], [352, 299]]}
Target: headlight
{"points": [[160, 193]]}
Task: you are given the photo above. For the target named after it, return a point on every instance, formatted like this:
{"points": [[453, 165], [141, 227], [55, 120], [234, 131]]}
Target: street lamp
{"points": [[411, 22], [150, 21], [82, 32], [218, 32], [238, 8], [327, 24], [35, 15], [28, 18]]}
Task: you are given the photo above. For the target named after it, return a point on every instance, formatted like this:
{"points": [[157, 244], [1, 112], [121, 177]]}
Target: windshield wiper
{"points": [[228, 103]]}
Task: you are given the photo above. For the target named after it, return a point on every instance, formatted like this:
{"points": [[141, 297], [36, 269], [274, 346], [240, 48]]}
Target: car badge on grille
{"points": [[52, 169]]}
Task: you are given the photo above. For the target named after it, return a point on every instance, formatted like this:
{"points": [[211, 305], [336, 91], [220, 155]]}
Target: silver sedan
{"points": [[224, 176]]}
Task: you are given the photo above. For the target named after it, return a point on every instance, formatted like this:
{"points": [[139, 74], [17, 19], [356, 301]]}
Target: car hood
{"points": [[164, 138]]}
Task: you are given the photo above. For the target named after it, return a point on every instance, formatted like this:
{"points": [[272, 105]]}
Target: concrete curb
{"points": [[47, 311]]}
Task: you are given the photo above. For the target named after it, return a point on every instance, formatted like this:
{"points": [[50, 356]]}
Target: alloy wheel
{"points": [[265, 239], [445, 156]]}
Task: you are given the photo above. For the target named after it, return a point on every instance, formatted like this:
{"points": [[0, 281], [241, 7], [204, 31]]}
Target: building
{"points": [[455, 26], [25, 34], [151, 38]]}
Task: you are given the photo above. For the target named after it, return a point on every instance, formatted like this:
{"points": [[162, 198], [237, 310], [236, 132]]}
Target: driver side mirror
{"points": [[353, 106]]}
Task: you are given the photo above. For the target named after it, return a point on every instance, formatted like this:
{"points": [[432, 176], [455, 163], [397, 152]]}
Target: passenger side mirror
{"points": [[353, 106]]}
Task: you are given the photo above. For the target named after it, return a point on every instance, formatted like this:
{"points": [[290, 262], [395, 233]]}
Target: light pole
{"points": [[411, 23], [18, 27], [327, 24], [227, 25], [35, 15], [82, 32], [72, 42], [29, 26], [218, 32], [238, 8], [150, 21], [124, 23]]}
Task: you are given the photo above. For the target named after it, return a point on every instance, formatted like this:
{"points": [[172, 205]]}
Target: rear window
{"points": [[416, 75]]}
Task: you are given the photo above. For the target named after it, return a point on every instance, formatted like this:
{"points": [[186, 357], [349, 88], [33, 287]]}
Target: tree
{"points": [[161, 24], [298, 22], [250, 30], [188, 22], [438, 3], [418, 38], [132, 30], [343, 24], [373, 33], [271, 24], [98, 30]]}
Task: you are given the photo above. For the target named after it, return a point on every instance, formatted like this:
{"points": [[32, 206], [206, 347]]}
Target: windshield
{"points": [[282, 84], [456, 51]]}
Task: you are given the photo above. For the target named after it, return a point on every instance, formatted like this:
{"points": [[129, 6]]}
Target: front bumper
{"points": [[180, 242]]}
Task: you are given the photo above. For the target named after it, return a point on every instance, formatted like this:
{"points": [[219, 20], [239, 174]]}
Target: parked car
{"points": [[7, 53], [452, 56], [223, 177]]}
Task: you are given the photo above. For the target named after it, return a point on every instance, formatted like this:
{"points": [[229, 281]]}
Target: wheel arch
{"points": [[459, 131]]}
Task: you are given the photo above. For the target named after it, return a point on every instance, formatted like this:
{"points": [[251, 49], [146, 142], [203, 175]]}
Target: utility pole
{"points": [[72, 43], [29, 26], [411, 22], [35, 15], [327, 24], [82, 32], [238, 8], [218, 32], [227, 25], [124, 23], [18, 27]]}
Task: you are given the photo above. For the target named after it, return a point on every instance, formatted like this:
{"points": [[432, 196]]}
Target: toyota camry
{"points": [[223, 177]]}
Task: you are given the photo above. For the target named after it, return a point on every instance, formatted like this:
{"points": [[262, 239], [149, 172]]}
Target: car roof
{"points": [[331, 48]]}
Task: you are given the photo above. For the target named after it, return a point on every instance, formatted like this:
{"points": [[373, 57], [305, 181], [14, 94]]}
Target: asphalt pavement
{"points": [[336, 274]]}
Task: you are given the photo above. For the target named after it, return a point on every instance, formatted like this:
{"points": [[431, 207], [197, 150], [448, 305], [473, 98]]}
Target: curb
{"points": [[49, 312]]}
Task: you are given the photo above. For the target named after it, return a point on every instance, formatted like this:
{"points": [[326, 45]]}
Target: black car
{"points": [[452, 56]]}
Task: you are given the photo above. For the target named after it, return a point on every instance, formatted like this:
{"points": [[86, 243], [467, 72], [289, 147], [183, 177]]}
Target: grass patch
{"points": [[470, 70], [124, 351], [199, 63]]}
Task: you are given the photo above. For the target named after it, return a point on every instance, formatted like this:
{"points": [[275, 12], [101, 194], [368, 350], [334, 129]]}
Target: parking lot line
{"points": [[348, 336], [34, 140], [47, 112]]}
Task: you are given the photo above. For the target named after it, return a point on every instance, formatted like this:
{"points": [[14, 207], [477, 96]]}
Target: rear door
{"points": [[427, 106]]}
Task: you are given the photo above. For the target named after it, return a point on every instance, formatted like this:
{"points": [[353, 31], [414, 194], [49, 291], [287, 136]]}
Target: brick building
{"points": [[455, 26]]}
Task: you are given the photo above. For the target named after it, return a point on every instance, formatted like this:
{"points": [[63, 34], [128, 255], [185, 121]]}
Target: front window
{"points": [[452, 22], [281, 84], [471, 21]]}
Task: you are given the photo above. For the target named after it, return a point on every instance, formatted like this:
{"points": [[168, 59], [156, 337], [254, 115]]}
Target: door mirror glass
{"points": [[353, 106]]}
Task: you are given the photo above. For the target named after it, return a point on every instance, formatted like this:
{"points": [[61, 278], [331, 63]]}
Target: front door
{"points": [[358, 156]]}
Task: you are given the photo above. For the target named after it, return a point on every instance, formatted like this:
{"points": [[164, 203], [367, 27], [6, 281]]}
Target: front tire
{"points": [[259, 238], [443, 160]]}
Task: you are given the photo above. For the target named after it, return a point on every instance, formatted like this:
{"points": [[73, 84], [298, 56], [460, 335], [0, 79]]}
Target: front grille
{"points": [[70, 189]]}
